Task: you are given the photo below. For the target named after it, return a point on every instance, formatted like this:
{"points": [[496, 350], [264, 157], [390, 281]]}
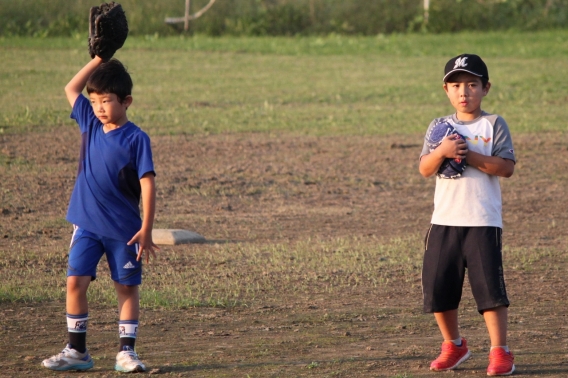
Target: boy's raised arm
{"points": [[74, 88]]}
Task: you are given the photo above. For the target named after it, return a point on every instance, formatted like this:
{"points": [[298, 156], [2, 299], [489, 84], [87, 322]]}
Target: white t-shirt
{"points": [[474, 199]]}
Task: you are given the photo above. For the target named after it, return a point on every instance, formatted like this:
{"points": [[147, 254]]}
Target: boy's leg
{"points": [[77, 311], [501, 360], [454, 347], [76, 299], [448, 324], [443, 273], [84, 255], [496, 321], [126, 273], [128, 312], [485, 270]]}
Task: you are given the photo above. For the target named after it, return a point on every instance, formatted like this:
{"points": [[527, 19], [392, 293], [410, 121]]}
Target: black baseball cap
{"points": [[470, 63]]}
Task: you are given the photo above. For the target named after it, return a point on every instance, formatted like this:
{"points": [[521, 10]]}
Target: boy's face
{"points": [[465, 92], [108, 109]]}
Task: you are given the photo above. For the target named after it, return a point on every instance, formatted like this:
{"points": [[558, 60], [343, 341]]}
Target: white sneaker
{"points": [[127, 361], [69, 359]]}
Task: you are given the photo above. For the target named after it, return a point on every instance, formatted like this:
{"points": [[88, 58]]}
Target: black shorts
{"points": [[448, 252]]}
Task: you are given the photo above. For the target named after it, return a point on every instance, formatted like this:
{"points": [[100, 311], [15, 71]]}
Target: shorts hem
{"points": [[492, 306], [73, 274], [429, 310], [128, 283]]}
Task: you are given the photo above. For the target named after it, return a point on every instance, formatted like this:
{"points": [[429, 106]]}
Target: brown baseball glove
{"points": [[108, 30]]}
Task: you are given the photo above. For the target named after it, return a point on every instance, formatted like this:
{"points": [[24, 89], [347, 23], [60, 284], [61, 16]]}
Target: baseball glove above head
{"points": [[450, 168], [108, 30]]}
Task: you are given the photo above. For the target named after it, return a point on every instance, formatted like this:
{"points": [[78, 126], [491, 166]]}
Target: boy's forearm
{"points": [[148, 202], [148, 219], [76, 85], [430, 163], [492, 165]]}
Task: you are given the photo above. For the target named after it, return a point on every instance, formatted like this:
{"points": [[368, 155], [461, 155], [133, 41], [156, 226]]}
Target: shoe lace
{"points": [[132, 355], [64, 353]]}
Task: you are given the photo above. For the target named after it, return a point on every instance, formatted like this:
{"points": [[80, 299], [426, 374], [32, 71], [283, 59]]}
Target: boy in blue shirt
{"points": [[115, 171], [467, 223]]}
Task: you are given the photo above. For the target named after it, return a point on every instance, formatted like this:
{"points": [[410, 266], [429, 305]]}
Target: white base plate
{"points": [[175, 237]]}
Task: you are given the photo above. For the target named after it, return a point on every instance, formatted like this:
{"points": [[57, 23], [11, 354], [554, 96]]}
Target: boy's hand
{"points": [[144, 240], [453, 147]]}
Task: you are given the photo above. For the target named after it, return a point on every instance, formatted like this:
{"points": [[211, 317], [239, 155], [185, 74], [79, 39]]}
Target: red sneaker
{"points": [[500, 362], [451, 356]]}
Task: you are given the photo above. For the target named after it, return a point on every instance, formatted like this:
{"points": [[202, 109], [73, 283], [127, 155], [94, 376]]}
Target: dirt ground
{"points": [[261, 188]]}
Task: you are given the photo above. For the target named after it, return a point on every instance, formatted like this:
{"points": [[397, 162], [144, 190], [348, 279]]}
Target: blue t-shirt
{"points": [[106, 196]]}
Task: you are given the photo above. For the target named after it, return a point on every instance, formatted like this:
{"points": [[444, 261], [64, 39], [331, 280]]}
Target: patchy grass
{"points": [[228, 275]]}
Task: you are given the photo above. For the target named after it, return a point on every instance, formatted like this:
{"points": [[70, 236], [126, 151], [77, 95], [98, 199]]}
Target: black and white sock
{"points": [[77, 329], [127, 330]]}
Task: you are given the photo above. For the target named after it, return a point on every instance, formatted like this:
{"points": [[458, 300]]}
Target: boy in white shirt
{"points": [[467, 223]]}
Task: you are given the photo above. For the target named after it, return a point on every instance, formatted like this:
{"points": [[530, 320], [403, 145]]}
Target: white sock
{"points": [[505, 347], [457, 341], [77, 323], [128, 328]]}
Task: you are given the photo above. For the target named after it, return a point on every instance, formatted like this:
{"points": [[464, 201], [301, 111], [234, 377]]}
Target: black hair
{"points": [[110, 77], [453, 76]]}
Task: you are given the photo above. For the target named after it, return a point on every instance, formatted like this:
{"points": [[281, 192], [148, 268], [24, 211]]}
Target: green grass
{"points": [[321, 86], [542, 44], [227, 275]]}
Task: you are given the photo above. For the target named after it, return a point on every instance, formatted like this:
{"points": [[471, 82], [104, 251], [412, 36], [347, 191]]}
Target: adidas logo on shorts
{"points": [[129, 265]]}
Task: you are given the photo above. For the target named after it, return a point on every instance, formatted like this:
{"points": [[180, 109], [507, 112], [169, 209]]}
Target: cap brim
{"points": [[460, 70]]}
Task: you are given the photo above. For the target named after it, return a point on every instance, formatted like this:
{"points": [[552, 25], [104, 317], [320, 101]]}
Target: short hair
{"points": [[449, 79], [111, 77]]}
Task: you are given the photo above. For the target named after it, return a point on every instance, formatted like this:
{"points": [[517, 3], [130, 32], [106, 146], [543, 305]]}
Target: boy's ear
{"points": [[127, 101], [486, 89], [446, 90]]}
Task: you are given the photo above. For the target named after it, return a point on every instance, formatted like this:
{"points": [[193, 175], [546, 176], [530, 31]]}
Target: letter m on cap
{"points": [[460, 62]]}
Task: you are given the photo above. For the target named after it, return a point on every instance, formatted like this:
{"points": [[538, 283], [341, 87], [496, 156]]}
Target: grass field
{"points": [[297, 159], [320, 86]]}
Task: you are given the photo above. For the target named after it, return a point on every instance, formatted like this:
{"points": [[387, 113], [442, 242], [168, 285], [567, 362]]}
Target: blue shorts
{"points": [[87, 249]]}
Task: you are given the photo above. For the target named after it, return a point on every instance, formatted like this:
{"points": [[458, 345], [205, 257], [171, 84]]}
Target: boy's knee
{"points": [[126, 289], [78, 283]]}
